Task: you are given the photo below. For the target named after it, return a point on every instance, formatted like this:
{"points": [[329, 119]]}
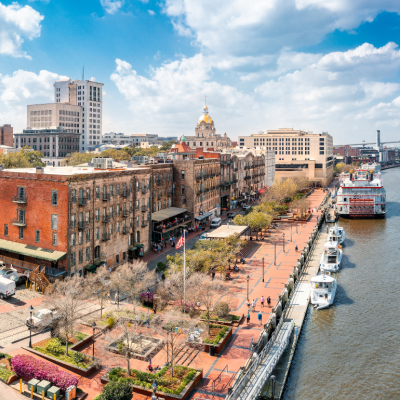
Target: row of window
{"points": [[96, 255], [37, 234]]}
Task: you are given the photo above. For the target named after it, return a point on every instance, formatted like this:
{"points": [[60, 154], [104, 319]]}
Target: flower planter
{"points": [[218, 348], [225, 323]]}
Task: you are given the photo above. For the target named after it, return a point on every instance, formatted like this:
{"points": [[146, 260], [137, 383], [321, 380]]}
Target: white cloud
{"points": [[112, 6], [264, 27], [144, 1], [17, 23], [317, 92], [151, 12]]}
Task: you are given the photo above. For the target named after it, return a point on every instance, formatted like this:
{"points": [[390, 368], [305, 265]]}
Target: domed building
{"points": [[205, 135]]}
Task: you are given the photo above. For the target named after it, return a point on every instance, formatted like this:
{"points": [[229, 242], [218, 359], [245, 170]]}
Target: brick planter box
{"points": [[226, 323], [147, 392], [218, 347], [71, 367]]}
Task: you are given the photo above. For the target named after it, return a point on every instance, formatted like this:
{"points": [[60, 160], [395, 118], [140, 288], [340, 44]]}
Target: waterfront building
{"points": [[88, 96], [6, 135], [205, 135], [296, 151], [54, 144]]}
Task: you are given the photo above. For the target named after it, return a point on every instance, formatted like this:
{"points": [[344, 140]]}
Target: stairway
{"points": [[40, 281], [247, 249]]}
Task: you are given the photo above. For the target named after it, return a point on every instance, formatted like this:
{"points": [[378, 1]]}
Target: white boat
{"points": [[336, 234], [331, 257], [323, 291]]}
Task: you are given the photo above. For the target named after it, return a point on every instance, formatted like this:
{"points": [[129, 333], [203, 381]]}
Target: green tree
{"points": [[116, 154], [26, 158], [117, 391], [167, 145], [78, 158]]}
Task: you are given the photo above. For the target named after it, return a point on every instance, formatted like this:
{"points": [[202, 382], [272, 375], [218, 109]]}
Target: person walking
{"points": [[248, 317], [109, 296], [262, 301], [253, 305], [269, 301], [259, 318], [116, 298], [170, 241]]}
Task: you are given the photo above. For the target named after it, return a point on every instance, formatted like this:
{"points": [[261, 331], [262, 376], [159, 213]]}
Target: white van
{"points": [[7, 288], [216, 222]]}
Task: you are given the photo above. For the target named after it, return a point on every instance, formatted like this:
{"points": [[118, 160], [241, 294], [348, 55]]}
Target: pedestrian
{"points": [[109, 296], [116, 298], [248, 317], [212, 275], [253, 305], [248, 305], [170, 241], [269, 301], [259, 318], [262, 301]]}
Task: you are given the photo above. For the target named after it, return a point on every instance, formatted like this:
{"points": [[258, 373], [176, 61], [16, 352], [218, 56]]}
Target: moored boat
{"points": [[323, 291], [331, 257], [336, 234]]}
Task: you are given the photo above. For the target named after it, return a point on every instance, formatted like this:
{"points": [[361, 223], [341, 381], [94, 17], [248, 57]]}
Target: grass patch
{"points": [[166, 383], [5, 374], [219, 331], [56, 348], [228, 318]]}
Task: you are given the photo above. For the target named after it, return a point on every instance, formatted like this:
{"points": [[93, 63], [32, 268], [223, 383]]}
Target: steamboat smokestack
{"points": [[378, 138]]}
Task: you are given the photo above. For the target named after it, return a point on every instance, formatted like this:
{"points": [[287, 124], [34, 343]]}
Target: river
{"points": [[352, 350]]}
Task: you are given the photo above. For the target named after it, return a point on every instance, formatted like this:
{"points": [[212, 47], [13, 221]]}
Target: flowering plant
{"points": [[146, 298], [33, 368]]}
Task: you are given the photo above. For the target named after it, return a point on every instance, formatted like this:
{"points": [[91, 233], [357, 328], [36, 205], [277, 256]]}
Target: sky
{"points": [[317, 65]]}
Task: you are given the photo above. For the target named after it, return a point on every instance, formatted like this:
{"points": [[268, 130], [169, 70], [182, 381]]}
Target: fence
{"points": [[218, 378]]}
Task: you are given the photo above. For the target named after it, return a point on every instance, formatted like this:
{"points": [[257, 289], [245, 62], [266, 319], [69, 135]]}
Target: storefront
{"points": [[215, 212], [136, 251], [169, 223], [203, 217]]}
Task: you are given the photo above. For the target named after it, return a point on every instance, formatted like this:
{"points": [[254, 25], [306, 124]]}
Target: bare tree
{"points": [[97, 286], [67, 301], [118, 283], [137, 278]]}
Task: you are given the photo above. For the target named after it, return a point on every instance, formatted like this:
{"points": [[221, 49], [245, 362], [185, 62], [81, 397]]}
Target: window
{"points": [[184, 200], [87, 235], [88, 216], [97, 234], [97, 215], [173, 188], [183, 189], [118, 192], [54, 222], [54, 239], [111, 191], [73, 196], [131, 222], [182, 175], [21, 232], [88, 194], [111, 212], [54, 197], [80, 237], [72, 240], [5, 229], [87, 253], [111, 229], [137, 221], [117, 227], [118, 209], [72, 259], [80, 256], [97, 192], [37, 236]]}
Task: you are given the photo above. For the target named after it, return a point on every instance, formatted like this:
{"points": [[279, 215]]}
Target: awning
{"points": [[97, 263], [167, 213], [132, 248], [32, 251], [139, 246], [90, 267], [201, 217], [262, 190]]}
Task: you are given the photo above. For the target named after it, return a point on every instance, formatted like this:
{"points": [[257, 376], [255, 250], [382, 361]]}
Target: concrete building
{"points": [[87, 95], [54, 116], [206, 136], [6, 135], [296, 151], [54, 144]]}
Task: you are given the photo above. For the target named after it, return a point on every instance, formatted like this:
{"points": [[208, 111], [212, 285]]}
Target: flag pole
{"points": [[184, 270]]}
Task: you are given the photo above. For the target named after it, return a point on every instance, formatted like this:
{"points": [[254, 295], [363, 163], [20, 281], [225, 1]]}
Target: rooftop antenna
{"points": [[83, 73]]}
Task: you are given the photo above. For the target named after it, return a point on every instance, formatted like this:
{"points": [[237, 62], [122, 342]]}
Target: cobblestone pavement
{"points": [[21, 295]]}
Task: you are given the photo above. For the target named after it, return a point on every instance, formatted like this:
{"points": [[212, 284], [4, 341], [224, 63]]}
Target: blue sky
{"points": [[316, 65]]}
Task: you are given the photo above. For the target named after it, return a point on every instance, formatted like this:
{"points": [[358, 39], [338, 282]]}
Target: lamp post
{"points": [[248, 279], [93, 327], [154, 387], [291, 236], [274, 253], [296, 228], [30, 327], [263, 268], [148, 300], [283, 235]]}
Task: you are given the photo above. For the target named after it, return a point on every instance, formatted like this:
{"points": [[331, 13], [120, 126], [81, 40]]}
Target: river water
{"points": [[352, 350]]}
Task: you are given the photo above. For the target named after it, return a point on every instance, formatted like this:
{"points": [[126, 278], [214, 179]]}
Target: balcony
{"points": [[144, 224], [198, 178], [19, 222], [106, 197], [144, 208], [83, 225], [106, 218], [125, 230], [82, 201], [105, 237], [236, 169], [159, 197], [125, 214], [145, 190], [126, 193], [224, 162], [159, 182], [20, 199]]}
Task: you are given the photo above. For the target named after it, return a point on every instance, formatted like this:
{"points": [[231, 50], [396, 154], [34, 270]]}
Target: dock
{"points": [[296, 313]]}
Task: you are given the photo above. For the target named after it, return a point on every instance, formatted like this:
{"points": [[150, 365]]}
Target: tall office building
{"points": [[89, 96]]}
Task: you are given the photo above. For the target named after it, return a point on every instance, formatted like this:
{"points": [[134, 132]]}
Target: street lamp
{"points": [[291, 237], [263, 268], [283, 242], [274, 253], [154, 387], [93, 327], [248, 279], [296, 228], [30, 327]]}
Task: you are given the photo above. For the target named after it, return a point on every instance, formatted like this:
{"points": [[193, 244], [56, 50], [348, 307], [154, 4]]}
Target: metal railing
{"points": [[105, 237], [218, 378], [19, 221], [82, 201], [21, 199], [83, 224], [106, 218], [106, 197]]}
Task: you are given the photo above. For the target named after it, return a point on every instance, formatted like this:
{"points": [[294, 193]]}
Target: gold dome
{"points": [[206, 118]]}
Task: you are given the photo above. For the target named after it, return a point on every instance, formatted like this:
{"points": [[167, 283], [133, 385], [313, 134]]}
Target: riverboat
{"points": [[336, 234], [331, 257], [323, 291], [361, 193]]}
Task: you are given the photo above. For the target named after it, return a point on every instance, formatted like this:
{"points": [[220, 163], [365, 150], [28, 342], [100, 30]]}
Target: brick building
{"points": [[74, 219], [346, 151], [6, 135]]}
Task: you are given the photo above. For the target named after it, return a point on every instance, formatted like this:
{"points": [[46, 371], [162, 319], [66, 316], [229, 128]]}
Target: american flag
{"points": [[180, 242]]}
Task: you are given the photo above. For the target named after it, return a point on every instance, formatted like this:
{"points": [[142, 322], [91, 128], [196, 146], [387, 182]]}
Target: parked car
{"points": [[216, 222], [9, 272], [7, 288], [246, 207], [19, 279], [231, 215], [41, 318], [203, 236]]}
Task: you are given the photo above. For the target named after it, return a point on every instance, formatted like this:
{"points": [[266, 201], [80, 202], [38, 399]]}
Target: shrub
{"points": [[220, 335], [222, 309], [111, 321], [117, 391], [54, 346], [161, 267], [146, 298], [78, 357], [5, 374], [32, 368]]}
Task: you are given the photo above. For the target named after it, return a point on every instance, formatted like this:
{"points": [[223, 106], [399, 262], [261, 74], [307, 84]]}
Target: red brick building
{"points": [[6, 135], [346, 151]]}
